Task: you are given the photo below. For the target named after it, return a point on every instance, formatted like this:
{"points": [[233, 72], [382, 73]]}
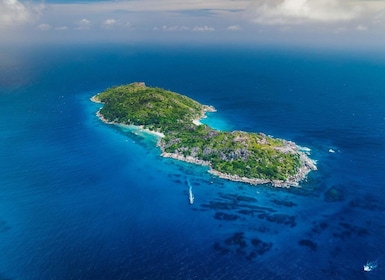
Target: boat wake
{"points": [[190, 193]]}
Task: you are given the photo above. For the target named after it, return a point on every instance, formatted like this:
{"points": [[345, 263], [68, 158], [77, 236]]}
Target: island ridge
{"points": [[252, 158]]}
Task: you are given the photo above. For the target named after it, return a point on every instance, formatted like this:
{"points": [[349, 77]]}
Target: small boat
{"points": [[190, 193], [369, 266]]}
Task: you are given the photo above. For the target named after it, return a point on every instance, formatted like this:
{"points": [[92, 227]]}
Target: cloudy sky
{"points": [[261, 21]]}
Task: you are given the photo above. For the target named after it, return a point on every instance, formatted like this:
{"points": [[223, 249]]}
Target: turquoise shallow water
{"points": [[80, 199]]}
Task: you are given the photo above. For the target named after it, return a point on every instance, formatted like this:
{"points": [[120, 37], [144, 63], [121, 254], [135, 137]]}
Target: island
{"points": [[253, 158]]}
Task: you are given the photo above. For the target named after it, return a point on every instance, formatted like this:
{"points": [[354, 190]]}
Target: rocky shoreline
{"points": [[307, 166]]}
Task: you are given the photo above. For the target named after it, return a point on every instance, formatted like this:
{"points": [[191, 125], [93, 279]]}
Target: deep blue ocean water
{"points": [[80, 199]]}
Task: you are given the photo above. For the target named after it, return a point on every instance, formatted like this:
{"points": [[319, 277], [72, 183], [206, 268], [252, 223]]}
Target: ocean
{"points": [[80, 199]]}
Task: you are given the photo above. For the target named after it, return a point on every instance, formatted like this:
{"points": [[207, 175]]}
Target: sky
{"points": [[324, 22]]}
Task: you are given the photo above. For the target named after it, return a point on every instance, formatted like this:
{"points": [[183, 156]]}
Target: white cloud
{"points": [[298, 11], [203, 28], [84, 24], [184, 28], [109, 23], [45, 27], [292, 17], [234, 28], [14, 12], [116, 24], [85, 21], [171, 28]]}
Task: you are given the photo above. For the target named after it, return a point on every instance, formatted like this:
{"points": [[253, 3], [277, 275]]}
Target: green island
{"points": [[252, 158]]}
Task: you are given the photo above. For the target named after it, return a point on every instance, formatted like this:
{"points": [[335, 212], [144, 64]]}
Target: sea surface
{"points": [[80, 199]]}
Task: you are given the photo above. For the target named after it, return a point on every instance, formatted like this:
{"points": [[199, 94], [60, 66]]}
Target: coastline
{"points": [[206, 108], [93, 99], [293, 181], [307, 166], [130, 127]]}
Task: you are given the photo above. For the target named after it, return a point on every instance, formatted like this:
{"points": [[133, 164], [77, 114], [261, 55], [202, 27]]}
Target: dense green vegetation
{"points": [[154, 108], [239, 153]]}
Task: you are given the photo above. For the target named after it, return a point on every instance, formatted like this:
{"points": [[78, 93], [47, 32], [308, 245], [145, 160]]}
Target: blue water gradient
{"points": [[80, 199]]}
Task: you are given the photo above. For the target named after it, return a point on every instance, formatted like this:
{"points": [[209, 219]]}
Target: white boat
{"points": [[190, 193], [369, 266]]}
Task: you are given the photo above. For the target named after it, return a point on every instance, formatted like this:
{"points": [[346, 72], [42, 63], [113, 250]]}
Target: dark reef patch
{"points": [[238, 198], [240, 245], [263, 229], [249, 212], [348, 230], [257, 208], [318, 228], [225, 217], [238, 240], [279, 219], [367, 203], [235, 202], [220, 249], [217, 205], [283, 202], [308, 243], [334, 194], [260, 246]]}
